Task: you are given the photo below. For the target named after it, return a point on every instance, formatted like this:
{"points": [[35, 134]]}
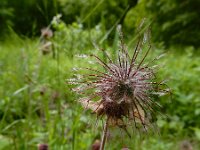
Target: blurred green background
{"points": [[39, 40]]}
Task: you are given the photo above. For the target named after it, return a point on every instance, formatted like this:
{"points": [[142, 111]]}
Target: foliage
{"points": [[34, 97], [134, 17], [74, 38], [40, 12], [27, 17], [36, 106], [92, 12], [175, 22], [6, 14], [184, 107]]}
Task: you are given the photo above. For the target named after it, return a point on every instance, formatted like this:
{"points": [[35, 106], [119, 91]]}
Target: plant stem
{"points": [[103, 140]]}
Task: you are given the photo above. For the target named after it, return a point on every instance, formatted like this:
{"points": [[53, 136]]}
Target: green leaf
{"points": [[4, 142], [197, 133]]}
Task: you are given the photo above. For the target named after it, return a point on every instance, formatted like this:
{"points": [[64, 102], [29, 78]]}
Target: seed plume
{"points": [[125, 91]]}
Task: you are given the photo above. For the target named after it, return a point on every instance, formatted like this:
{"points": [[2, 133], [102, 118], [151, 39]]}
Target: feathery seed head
{"points": [[124, 90]]}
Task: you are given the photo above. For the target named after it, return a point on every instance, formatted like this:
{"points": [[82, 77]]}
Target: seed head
{"points": [[126, 88], [42, 147]]}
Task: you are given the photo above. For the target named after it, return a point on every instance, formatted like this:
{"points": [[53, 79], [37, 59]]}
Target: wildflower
{"points": [[125, 148], [186, 145], [124, 91], [46, 33], [46, 44], [96, 145], [42, 147], [46, 47]]}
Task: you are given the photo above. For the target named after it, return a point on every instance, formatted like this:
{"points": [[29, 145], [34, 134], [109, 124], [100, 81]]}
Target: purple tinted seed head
{"points": [[124, 90], [42, 147]]}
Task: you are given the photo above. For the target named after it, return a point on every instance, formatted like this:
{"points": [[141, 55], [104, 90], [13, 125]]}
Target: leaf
{"points": [[139, 114], [96, 107], [20, 90], [115, 122], [197, 133], [4, 142]]}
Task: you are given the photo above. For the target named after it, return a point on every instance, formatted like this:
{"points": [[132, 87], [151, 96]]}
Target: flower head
{"points": [[124, 90], [42, 147]]}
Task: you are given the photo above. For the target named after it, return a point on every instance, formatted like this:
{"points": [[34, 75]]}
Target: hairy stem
{"points": [[103, 140]]}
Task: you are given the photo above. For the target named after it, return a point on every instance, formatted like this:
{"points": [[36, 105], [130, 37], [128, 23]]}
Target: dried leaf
{"points": [[96, 107], [138, 114]]}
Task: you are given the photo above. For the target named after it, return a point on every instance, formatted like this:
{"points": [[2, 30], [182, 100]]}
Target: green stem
{"points": [[105, 130]]}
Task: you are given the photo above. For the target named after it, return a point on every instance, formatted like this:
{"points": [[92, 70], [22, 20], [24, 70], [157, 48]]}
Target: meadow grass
{"points": [[37, 106]]}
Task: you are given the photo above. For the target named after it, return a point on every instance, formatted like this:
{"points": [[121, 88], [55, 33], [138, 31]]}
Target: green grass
{"points": [[37, 106]]}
